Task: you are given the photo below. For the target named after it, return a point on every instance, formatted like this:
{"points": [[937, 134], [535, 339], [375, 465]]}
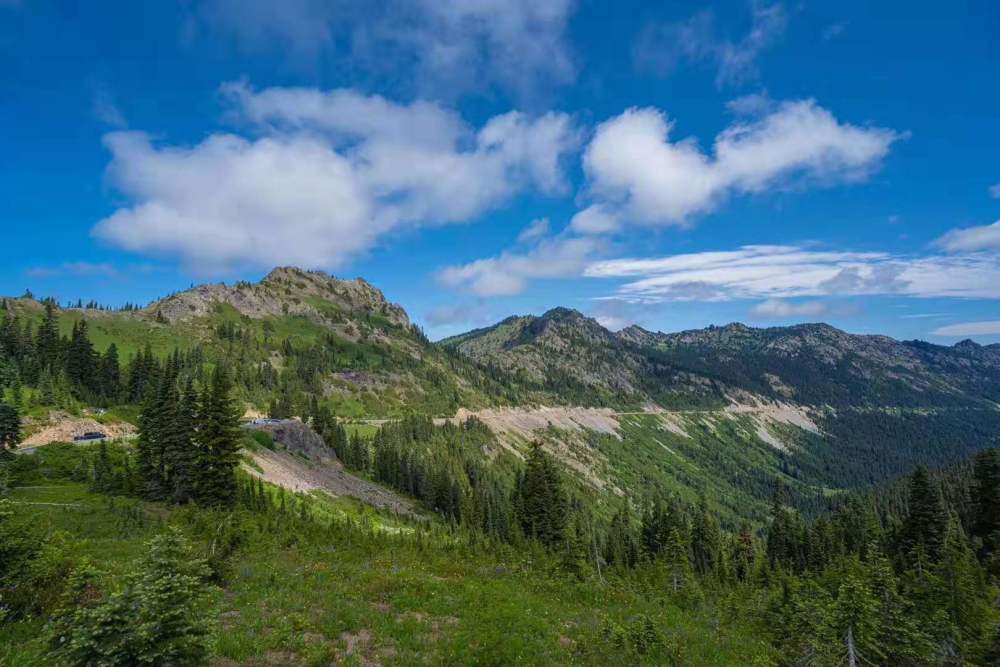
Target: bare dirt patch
{"points": [[297, 474], [63, 427]]}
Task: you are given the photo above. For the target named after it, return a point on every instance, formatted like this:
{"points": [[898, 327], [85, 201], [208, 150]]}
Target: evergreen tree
{"points": [[10, 430], [986, 500], [706, 541], [540, 502], [81, 362], [924, 528], [160, 616], [110, 374], [47, 342], [218, 442]]}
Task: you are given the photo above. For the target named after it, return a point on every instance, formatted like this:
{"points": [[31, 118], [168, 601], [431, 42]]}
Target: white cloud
{"points": [[778, 308], [535, 230], [595, 220], [971, 239], [995, 191], [509, 272], [783, 272], [638, 173], [985, 328], [326, 176], [443, 46], [661, 47]]}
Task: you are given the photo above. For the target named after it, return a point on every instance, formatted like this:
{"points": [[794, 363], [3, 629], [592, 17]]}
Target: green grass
{"points": [[310, 592]]}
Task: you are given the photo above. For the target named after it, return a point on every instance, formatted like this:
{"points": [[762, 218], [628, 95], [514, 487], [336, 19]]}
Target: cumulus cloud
{"points": [[963, 329], [779, 308], [661, 47], [445, 46], [322, 177], [637, 172], [788, 272], [971, 239], [509, 273]]}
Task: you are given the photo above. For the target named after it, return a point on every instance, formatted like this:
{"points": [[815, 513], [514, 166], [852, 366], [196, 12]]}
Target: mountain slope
{"points": [[812, 364], [295, 334]]}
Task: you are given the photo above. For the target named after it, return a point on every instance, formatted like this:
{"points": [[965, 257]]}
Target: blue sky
{"points": [[669, 164]]}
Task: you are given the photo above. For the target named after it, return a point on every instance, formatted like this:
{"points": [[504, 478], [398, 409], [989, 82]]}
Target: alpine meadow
{"points": [[678, 341]]}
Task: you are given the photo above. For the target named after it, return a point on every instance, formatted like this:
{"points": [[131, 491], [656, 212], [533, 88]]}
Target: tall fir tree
{"points": [[923, 530], [10, 430], [540, 502], [986, 501], [218, 443]]}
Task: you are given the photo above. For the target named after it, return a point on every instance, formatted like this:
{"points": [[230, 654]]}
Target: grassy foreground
{"points": [[298, 589]]}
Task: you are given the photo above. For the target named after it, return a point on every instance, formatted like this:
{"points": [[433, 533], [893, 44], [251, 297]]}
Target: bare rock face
{"points": [[299, 438], [284, 291]]}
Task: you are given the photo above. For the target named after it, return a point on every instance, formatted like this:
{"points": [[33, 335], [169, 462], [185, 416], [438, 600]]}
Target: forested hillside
{"points": [[664, 497]]}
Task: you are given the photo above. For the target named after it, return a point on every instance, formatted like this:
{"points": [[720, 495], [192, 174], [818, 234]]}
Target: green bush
{"points": [[33, 567], [160, 615]]}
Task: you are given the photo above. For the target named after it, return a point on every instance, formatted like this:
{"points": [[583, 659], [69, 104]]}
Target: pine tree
{"points": [[81, 362], [179, 448], [986, 501], [110, 374], [680, 576], [706, 541], [218, 442], [47, 342], [10, 430], [541, 504], [924, 528], [160, 616]]}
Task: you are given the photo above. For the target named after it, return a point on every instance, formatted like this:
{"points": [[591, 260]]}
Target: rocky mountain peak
{"points": [[284, 291]]}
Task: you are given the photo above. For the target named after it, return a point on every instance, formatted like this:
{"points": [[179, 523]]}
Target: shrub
{"points": [[159, 617]]}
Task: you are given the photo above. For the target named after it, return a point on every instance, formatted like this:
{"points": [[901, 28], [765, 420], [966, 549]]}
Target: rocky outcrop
{"points": [[298, 438], [284, 291]]}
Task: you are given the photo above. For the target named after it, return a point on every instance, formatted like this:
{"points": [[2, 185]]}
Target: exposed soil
{"points": [[297, 474], [62, 427]]}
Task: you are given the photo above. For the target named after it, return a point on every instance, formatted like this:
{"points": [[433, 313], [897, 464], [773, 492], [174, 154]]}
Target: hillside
{"points": [[543, 491], [734, 411], [295, 334]]}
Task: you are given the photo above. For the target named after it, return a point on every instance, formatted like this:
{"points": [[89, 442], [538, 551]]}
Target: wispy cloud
{"points": [[446, 47], [983, 328], [106, 111], [784, 272], [561, 256], [474, 314], [662, 47], [995, 191], [82, 269], [535, 230], [971, 239], [779, 308]]}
